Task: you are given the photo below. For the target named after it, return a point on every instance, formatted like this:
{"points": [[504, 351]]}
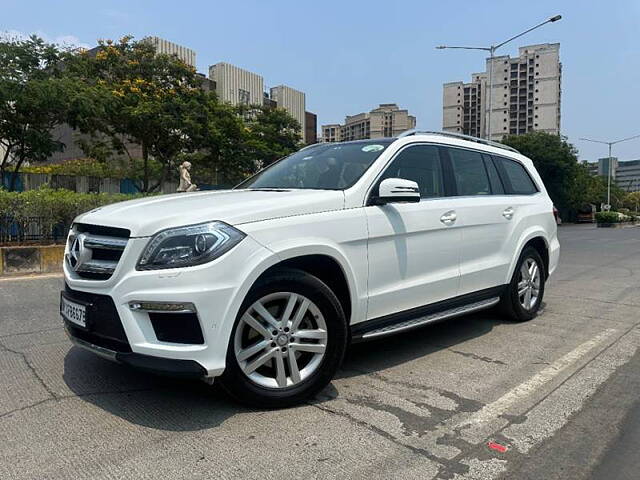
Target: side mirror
{"points": [[394, 190]]}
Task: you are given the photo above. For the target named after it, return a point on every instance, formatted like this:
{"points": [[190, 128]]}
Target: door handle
{"points": [[508, 213], [449, 217]]}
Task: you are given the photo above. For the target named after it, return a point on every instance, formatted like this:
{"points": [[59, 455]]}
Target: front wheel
{"points": [[287, 342], [523, 296]]}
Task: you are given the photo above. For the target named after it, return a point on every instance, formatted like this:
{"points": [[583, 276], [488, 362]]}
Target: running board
{"points": [[433, 317]]}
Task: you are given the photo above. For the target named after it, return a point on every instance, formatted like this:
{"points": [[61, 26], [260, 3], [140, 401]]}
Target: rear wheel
{"points": [[287, 343], [523, 297]]}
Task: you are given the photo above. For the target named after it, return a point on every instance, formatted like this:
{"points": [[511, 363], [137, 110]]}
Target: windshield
{"points": [[327, 166]]}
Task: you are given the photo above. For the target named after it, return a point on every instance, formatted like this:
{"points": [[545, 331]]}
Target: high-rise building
{"points": [[388, 120], [185, 54], [310, 128], [624, 173], [237, 86], [293, 101], [526, 95]]}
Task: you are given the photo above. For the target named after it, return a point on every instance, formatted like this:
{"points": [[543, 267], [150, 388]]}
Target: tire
{"points": [[513, 304], [292, 348]]}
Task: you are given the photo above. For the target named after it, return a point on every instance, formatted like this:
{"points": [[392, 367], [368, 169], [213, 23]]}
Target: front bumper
{"points": [[216, 289], [157, 365]]}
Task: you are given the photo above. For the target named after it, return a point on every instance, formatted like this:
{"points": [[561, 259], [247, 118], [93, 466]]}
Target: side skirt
{"points": [[420, 316]]}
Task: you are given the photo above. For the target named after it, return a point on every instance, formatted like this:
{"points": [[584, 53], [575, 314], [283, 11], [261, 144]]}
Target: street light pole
{"points": [[492, 49], [610, 144]]}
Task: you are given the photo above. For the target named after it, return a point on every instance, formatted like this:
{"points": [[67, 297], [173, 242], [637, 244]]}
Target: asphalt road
{"points": [[560, 393]]}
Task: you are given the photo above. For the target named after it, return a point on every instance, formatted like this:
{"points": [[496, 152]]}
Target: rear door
{"points": [[484, 213], [413, 247], [492, 211]]}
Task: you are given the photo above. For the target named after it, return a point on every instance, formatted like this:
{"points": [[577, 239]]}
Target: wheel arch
{"points": [[538, 240], [541, 246], [323, 266]]}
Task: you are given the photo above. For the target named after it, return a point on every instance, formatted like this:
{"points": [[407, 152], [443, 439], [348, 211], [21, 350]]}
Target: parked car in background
{"points": [[587, 213], [264, 286]]}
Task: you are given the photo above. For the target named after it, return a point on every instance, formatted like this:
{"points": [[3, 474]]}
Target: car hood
{"points": [[146, 216]]}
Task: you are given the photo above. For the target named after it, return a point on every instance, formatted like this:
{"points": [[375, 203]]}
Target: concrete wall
{"points": [[36, 259]]}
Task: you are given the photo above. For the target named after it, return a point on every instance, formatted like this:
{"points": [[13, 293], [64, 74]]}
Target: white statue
{"points": [[185, 178]]}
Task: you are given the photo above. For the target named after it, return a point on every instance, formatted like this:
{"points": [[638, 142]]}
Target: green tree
{"points": [[35, 97], [557, 162], [139, 97], [273, 134], [632, 201], [222, 139], [237, 141]]}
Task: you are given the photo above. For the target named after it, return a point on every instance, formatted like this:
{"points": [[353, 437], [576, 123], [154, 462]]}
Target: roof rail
{"points": [[415, 131]]}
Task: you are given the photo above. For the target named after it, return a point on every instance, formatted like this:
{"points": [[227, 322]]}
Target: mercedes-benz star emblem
{"points": [[78, 253]]}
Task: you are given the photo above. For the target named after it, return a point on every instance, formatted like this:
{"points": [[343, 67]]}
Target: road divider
{"points": [[31, 259]]}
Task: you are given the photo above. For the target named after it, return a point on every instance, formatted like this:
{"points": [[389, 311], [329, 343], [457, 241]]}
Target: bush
{"points": [[609, 217], [49, 207], [87, 167], [79, 167]]}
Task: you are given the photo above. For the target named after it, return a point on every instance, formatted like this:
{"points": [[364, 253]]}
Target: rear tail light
{"points": [[556, 214]]}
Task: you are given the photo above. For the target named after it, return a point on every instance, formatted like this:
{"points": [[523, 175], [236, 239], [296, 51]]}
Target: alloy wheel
{"points": [[280, 340], [529, 283]]}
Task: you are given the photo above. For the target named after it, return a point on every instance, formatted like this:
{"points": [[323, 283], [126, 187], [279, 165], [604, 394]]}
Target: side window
{"points": [[518, 180], [496, 184], [420, 163], [469, 172]]}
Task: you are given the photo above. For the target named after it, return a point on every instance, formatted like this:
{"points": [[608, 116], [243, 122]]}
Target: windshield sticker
{"points": [[372, 148]]}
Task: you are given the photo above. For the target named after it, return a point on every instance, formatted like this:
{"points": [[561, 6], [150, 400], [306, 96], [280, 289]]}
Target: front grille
{"points": [[102, 230], [104, 326], [95, 250]]}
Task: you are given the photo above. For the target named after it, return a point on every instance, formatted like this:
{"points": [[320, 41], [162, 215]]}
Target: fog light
{"points": [[174, 307]]}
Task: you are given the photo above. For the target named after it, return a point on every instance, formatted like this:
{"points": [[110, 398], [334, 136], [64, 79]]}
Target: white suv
{"points": [[265, 285]]}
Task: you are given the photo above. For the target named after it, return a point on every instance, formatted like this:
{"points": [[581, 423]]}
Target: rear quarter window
{"points": [[516, 178]]}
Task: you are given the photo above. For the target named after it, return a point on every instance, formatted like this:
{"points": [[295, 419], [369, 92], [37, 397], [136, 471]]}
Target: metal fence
{"points": [[31, 230], [80, 184]]}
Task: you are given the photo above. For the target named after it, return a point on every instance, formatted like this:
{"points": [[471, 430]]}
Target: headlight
{"points": [[189, 246]]}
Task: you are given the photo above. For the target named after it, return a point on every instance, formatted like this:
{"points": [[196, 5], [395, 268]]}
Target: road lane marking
{"points": [[494, 410], [554, 411]]}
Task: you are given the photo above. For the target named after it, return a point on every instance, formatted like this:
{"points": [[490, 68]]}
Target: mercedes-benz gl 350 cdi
{"points": [[264, 286]]}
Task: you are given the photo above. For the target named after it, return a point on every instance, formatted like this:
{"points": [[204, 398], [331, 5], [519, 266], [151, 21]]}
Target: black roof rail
{"points": [[415, 131]]}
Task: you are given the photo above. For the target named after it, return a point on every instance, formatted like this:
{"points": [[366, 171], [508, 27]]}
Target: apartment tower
{"points": [[237, 86], [293, 101], [526, 95], [387, 120]]}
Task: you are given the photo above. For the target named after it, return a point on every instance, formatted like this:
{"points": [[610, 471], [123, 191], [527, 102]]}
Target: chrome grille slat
{"points": [[105, 243], [98, 266]]}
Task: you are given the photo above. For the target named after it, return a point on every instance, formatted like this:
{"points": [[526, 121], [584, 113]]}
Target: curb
{"points": [[31, 259]]}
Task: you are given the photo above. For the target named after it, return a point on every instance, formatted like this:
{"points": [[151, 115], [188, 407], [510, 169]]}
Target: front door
{"points": [[413, 248]]}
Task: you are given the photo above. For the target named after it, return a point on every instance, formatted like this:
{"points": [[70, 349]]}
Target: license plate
{"points": [[74, 312]]}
